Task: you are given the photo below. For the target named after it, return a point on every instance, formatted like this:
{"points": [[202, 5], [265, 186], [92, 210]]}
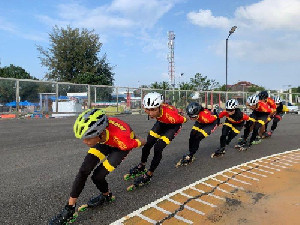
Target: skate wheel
{"points": [[113, 198], [127, 176], [178, 164], [212, 155], [82, 208], [131, 187]]}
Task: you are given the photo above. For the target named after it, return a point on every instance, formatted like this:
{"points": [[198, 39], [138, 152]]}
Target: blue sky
{"points": [[265, 48]]}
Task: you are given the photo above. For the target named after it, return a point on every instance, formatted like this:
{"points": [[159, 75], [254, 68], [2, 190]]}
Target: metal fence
{"points": [[35, 98]]}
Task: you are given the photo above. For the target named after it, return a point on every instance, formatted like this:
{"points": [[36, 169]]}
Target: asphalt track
{"points": [[40, 158]]}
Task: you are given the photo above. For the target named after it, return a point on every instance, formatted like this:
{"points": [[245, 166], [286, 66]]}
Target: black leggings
{"points": [[229, 131], [260, 120], [159, 136], [94, 156], [276, 119], [198, 133]]}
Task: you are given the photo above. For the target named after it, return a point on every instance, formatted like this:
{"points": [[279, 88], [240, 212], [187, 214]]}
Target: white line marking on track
{"points": [[243, 175], [231, 185], [220, 189], [273, 164], [194, 210], [183, 219], [266, 167], [202, 181], [277, 161], [210, 194], [161, 209], [147, 218], [199, 200], [175, 202], [248, 171], [233, 178], [255, 168]]}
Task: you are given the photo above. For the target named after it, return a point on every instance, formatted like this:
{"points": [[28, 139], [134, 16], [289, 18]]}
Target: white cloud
{"points": [[268, 30], [127, 18], [118, 16], [270, 14], [265, 15], [6, 26], [12, 28], [145, 13], [204, 18]]}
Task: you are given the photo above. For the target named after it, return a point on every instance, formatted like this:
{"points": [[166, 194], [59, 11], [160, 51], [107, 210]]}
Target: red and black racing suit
{"points": [[277, 117], [162, 133], [120, 139], [272, 104], [232, 126], [206, 123], [258, 117]]}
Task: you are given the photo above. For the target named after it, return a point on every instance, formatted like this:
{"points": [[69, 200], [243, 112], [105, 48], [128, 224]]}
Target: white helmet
{"points": [[231, 104], [277, 99], [152, 100], [252, 100]]}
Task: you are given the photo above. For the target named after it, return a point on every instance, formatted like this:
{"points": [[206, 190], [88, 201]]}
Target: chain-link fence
{"points": [[36, 98]]}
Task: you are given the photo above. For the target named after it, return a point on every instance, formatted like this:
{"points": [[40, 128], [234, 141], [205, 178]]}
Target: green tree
{"points": [[186, 86], [202, 83], [255, 88], [221, 88], [13, 71], [296, 90], [28, 90], [160, 85], [73, 57]]}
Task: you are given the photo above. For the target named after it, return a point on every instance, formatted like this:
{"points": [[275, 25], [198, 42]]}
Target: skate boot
{"points": [[245, 146], [240, 143], [135, 172], [186, 160], [241, 138], [218, 153], [256, 141], [100, 200], [266, 135], [140, 181], [64, 217]]}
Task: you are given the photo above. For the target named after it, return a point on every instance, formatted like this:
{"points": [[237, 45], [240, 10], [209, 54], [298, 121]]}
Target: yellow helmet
{"points": [[90, 123]]}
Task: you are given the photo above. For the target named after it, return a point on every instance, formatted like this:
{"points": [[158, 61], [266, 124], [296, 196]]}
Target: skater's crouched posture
{"points": [[205, 124], [258, 118], [110, 140], [168, 124], [278, 115], [232, 126]]}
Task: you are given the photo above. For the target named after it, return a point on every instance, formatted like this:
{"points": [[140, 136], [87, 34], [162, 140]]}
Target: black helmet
{"points": [[263, 95], [193, 109]]}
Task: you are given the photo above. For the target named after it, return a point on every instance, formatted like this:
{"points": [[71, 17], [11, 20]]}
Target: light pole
{"points": [[230, 32]]}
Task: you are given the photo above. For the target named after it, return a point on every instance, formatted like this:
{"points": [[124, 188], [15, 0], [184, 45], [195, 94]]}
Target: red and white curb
{"points": [[253, 170]]}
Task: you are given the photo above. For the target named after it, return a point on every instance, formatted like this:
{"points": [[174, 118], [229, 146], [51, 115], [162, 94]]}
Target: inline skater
{"points": [[205, 124], [168, 124], [259, 117], [272, 104], [278, 115], [252, 104], [110, 140], [232, 126]]}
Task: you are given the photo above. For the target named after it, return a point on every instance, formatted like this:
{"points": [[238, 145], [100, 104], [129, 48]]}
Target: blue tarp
{"points": [[11, 104], [25, 103], [53, 98]]}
